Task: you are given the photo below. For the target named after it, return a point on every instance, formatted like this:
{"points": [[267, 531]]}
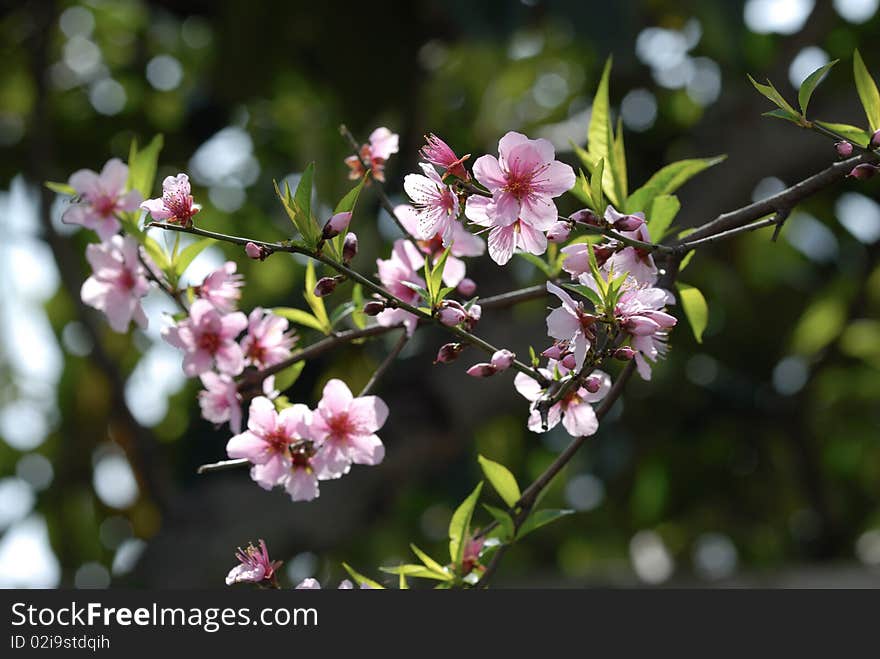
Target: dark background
{"points": [[753, 458]]}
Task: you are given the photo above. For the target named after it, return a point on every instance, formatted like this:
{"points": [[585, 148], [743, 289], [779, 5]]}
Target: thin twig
{"points": [[386, 364]]}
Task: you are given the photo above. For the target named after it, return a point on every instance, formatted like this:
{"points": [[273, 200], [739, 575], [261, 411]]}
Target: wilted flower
{"points": [[438, 152], [118, 282], [176, 203], [254, 566], [102, 196]]}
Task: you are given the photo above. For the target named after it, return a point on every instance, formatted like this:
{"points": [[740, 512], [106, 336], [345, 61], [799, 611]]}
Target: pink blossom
{"points": [[222, 288], [640, 312], [314, 584], [575, 410], [383, 143], [176, 203], [336, 225], [254, 566], [467, 287], [347, 425], [254, 251], [559, 232], [570, 323], [577, 256], [102, 196], [118, 282], [268, 440], [403, 266], [464, 244], [435, 203], [267, 341], [523, 181], [503, 359], [220, 401], [634, 260], [622, 221], [208, 337], [301, 481], [437, 152]]}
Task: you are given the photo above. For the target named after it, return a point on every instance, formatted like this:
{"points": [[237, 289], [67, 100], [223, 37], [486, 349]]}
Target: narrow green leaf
{"points": [[429, 562], [664, 208], [855, 135], [779, 113], [157, 253], [460, 524], [341, 312], [348, 202], [60, 188], [809, 85], [316, 303], [142, 166], [596, 186], [505, 521], [502, 480], [668, 180], [581, 189], [360, 579], [585, 291], [299, 317], [538, 262], [600, 137], [868, 93], [621, 182], [418, 571], [285, 379], [437, 275], [541, 518], [358, 317], [695, 308], [770, 92], [189, 253]]}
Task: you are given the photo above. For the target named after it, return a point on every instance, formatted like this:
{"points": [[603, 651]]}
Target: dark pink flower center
{"points": [[277, 440], [104, 205], [210, 342], [340, 426], [126, 279]]}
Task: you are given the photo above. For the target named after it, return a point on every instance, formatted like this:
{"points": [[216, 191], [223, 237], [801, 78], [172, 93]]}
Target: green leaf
{"points": [[541, 518], [360, 579], [668, 180], [783, 114], [596, 186], [586, 292], [600, 137], [316, 303], [664, 208], [285, 379], [538, 262], [855, 135], [435, 278], [619, 164], [581, 189], [189, 253], [157, 253], [142, 166], [460, 525], [347, 203], [505, 521], [809, 85], [358, 317], [60, 188], [820, 324], [695, 308], [419, 571], [771, 93], [502, 480], [430, 563], [299, 317], [341, 312], [868, 93]]}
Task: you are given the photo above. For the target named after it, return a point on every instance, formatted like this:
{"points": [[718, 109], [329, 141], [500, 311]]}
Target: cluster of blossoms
{"points": [[297, 447]]}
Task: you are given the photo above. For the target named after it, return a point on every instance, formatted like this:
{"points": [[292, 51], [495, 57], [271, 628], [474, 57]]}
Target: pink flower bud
{"points": [[863, 171], [624, 353], [569, 362], [559, 232], [875, 140], [336, 225], [349, 248], [629, 223], [448, 352], [437, 152], [585, 216], [467, 287], [475, 312], [593, 384], [325, 286], [640, 326], [481, 370], [255, 252], [604, 252], [374, 307], [553, 352], [502, 360], [844, 149], [451, 316]]}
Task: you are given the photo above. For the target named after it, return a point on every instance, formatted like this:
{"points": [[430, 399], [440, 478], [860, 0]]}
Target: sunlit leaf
{"points": [[501, 479], [505, 521], [819, 325], [460, 524], [664, 208], [429, 562], [361, 579], [541, 518], [596, 186], [142, 166], [783, 114], [419, 571], [157, 253], [809, 85], [867, 89], [189, 253], [695, 308], [316, 303], [771, 93], [61, 188], [299, 317], [668, 180], [854, 134], [288, 377]]}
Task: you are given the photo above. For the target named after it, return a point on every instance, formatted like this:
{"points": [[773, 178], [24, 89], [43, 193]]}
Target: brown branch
{"points": [[386, 364]]}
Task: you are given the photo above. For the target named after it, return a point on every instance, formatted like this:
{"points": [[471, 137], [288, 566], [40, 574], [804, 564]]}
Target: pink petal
{"points": [[247, 445], [476, 209], [488, 172], [366, 450], [302, 485], [336, 397], [114, 177], [531, 240], [368, 412], [507, 143], [580, 420], [262, 416], [501, 244]]}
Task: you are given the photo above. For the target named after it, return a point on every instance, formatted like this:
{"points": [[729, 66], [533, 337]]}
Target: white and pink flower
{"points": [[403, 266], [571, 323], [220, 401], [118, 282], [102, 196], [254, 566], [208, 338], [575, 410], [435, 204], [267, 341], [176, 203], [382, 145], [222, 287], [641, 314]]}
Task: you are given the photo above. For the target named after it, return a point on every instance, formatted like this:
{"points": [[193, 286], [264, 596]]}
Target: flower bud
{"points": [[629, 223], [559, 232], [553, 352], [255, 252], [593, 384], [624, 353], [448, 352], [336, 225], [585, 216], [502, 360], [569, 362], [481, 370], [475, 312], [844, 149], [863, 171], [467, 287], [640, 326], [604, 252], [451, 315], [349, 248], [374, 307], [325, 286], [875, 140]]}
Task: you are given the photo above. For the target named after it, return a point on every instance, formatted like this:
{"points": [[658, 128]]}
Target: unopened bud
{"points": [[569, 362], [844, 149], [482, 370], [325, 286], [349, 248], [448, 352], [585, 216], [336, 225], [374, 307], [451, 315], [875, 140], [603, 253], [624, 353], [502, 359], [559, 232], [256, 252], [629, 222], [863, 171], [553, 352], [467, 287], [593, 384]]}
